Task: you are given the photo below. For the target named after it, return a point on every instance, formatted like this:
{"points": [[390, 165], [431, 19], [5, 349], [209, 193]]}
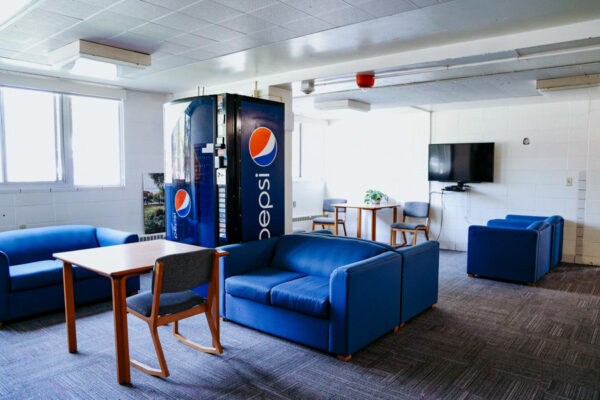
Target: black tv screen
{"points": [[461, 162]]}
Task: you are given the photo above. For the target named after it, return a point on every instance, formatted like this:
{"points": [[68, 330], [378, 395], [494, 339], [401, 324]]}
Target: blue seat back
{"points": [[328, 207], [320, 254], [37, 244], [558, 227], [416, 209]]}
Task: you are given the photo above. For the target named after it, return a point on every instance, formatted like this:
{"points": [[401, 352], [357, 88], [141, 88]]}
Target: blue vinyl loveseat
{"points": [[510, 252], [335, 294], [31, 280]]}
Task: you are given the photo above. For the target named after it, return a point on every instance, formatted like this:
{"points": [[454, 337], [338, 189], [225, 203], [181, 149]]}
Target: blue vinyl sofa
{"points": [[335, 294], [31, 281], [510, 252], [558, 226]]}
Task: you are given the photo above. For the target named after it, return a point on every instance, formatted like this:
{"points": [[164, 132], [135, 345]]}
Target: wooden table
{"points": [[371, 207], [117, 263]]}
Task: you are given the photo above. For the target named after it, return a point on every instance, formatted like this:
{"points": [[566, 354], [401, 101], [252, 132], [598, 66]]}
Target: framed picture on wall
{"points": [[153, 189]]}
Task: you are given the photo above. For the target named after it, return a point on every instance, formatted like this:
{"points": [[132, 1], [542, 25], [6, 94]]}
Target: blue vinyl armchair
{"points": [[336, 294], [558, 226], [511, 253]]}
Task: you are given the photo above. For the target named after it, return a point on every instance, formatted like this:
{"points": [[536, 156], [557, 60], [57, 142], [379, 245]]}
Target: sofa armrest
{"points": [[504, 253], [242, 258], [364, 302], [4, 286], [420, 278], [111, 237]]}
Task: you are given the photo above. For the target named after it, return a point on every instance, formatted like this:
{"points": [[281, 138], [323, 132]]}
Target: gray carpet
{"points": [[486, 340]]}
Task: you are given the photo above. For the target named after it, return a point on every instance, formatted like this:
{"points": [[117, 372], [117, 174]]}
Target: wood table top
{"points": [[124, 259], [367, 206]]}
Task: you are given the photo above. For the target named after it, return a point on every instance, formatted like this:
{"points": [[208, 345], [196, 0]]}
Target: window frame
{"points": [[63, 149]]}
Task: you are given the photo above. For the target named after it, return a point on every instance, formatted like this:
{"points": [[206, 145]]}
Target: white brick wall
{"points": [[565, 139]]}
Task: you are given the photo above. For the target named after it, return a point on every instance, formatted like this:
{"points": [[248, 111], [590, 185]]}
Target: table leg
{"points": [[121, 338], [335, 221], [358, 222], [373, 224], [69, 307], [395, 214]]}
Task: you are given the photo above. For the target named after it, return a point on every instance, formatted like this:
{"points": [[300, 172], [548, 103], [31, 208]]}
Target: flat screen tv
{"points": [[461, 162]]}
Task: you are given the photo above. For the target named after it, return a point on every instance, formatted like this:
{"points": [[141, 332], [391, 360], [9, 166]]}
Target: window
{"points": [[95, 141], [57, 139]]}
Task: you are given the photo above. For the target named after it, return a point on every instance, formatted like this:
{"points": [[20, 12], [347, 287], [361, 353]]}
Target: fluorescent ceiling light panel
{"points": [[569, 82], [347, 104], [11, 8], [99, 52]]}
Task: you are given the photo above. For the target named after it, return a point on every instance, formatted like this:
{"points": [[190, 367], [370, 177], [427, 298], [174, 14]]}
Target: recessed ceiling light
{"points": [[12, 8]]}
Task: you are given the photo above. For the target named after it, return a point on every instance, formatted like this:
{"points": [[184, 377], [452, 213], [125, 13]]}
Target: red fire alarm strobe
{"points": [[365, 81]]}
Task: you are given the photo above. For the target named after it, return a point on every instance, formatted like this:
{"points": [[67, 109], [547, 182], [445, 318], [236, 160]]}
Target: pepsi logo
{"points": [[183, 203], [263, 147]]}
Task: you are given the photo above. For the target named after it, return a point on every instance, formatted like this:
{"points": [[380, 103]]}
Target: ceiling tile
{"points": [[173, 61], [181, 22], [218, 33], [7, 53], [22, 38], [200, 54], [346, 16], [308, 25], [10, 45], [211, 11], [272, 35], [112, 20], [47, 45], [71, 8], [190, 40], [248, 23], [87, 31], [140, 9], [427, 3], [171, 4], [382, 8], [317, 7], [247, 5], [172, 48], [279, 13], [44, 22], [100, 3], [155, 31]]}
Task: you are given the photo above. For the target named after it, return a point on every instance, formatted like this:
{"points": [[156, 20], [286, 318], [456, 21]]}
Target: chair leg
{"points": [[163, 371], [404, 238], [415, 238], [344, 226], [323, 226], [212, 350], [426, 234], [392, 237], [344, 359], [313, 226]]}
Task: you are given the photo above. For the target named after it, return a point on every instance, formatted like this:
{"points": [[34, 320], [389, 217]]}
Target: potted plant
{"points": [[374, 196]]}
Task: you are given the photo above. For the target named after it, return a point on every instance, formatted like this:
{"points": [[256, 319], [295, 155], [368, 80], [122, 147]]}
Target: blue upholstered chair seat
{"points": [[257, 285], [170, 303], [325, 220], [308, 295], [42, 273], [406, 225]]}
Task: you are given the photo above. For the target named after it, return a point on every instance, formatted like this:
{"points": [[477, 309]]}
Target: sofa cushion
{"points": [[256, 285], [319, 255], [43, 273], [29, 245], [308, 295], [36, 274]]}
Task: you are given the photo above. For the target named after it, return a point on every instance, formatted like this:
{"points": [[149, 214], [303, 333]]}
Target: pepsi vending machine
{"points": [[224, 169]]}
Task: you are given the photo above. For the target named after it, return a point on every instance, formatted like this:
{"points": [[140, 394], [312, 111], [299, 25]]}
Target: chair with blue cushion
{"points": [[328, 208], [511, 253], [171, 299], [413, 209]]}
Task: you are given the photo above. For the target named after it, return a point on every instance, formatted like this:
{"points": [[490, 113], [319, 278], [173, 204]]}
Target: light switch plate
{"points": [[569, 181]]}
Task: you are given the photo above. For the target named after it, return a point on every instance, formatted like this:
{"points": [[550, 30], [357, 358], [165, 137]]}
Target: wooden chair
{"points": [[325, 220], [171, 300], [415, 209]]}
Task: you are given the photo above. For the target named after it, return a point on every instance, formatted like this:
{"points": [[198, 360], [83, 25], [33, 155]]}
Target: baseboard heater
{"points": [[305, 218], [153, 236]]}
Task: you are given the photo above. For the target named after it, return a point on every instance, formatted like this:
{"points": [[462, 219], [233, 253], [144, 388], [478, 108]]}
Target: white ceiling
{"points": [[212, 42]]}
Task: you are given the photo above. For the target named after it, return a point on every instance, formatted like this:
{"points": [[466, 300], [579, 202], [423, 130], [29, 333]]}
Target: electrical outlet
{"points": [[294, 204], [569, 181]]}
